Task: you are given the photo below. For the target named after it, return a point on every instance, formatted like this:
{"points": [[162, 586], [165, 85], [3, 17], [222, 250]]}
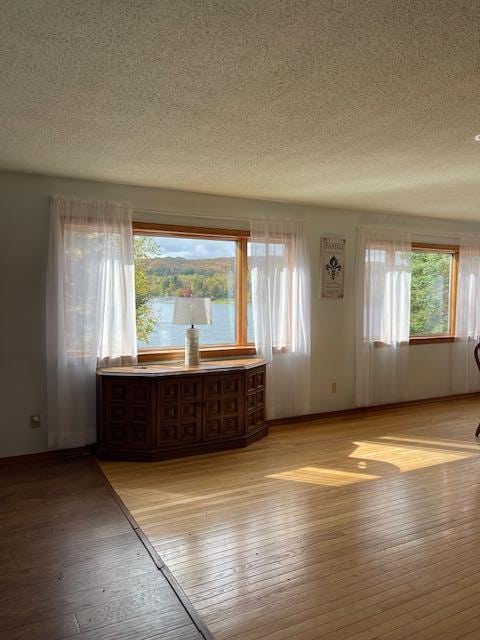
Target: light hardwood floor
{"points": [[356, 528]]}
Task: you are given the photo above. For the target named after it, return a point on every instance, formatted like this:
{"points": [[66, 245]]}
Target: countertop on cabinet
{"points": [[179, 368]]}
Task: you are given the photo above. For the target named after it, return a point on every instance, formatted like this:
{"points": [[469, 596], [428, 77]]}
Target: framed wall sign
{"points": [[332, 266]]}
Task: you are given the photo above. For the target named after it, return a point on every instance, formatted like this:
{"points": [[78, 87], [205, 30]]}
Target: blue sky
{"points": [[195, 248]]}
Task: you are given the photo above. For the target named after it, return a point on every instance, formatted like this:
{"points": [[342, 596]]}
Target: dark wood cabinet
{"points": [[160, 412]]}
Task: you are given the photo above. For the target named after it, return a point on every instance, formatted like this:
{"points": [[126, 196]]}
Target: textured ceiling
{"points": [[348, 103]]}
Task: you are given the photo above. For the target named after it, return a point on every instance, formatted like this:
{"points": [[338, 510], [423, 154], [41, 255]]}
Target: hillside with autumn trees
{"points": [[205, 278]]}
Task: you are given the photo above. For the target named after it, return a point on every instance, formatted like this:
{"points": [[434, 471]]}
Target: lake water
{"points": [[221, 331]]}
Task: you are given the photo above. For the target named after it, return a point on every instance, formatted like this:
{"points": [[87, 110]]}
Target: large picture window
{"points": [[172, 261], [433, 292]]}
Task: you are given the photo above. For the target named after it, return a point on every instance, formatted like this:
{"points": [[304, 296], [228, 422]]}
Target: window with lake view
{"points": [[170, 266]]}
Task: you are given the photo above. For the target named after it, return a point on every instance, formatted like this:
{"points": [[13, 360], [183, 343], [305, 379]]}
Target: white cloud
{"points": [[195, 248]]}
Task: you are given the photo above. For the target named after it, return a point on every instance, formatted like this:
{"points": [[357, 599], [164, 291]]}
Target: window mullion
{"points": [[453, 292], [241, 292]]}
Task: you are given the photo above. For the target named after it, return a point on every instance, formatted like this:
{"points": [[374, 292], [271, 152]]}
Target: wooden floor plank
{"points": [[360, 527]]}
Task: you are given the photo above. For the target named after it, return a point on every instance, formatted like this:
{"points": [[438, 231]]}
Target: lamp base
{"points": [[192, 352]]}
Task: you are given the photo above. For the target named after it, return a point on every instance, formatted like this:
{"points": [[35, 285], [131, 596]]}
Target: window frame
{"points": [[241, 347], [453, 250]]}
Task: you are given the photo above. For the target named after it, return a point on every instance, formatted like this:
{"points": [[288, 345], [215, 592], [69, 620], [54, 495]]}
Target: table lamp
{"points": [[192, 311]]}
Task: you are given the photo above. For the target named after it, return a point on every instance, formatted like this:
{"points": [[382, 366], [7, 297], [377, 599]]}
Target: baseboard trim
{"points": [[326, 415], [47, 456]]}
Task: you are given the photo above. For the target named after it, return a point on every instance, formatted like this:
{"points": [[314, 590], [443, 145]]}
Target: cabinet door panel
{"points": [[260, 398], [140, 437], [140, 392], [231, 405], [214, 407], [231, 384], [191, 390], [115, 435], [255, 401], [169, 391], [213, 429], [116, 391], [179, 411], [190, 410], [251, 381], [140, 414], [190, 432], [224, 407], [127, 414], [260, 381], [214, 387], [232, 427], [167, 412], [117, 413], [168, 434]]}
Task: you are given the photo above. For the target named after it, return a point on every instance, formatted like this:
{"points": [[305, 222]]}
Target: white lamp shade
{"points": [[192, 311]]}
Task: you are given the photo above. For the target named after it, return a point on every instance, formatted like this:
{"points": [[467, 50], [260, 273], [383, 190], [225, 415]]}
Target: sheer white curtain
{"points": [[465, 375], [280, 277], [90, 311], [383, 274]]}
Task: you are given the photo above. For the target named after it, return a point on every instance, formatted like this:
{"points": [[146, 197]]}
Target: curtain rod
{"points": [[421, 231], [424, 232], [210, 217], [189, 215]]}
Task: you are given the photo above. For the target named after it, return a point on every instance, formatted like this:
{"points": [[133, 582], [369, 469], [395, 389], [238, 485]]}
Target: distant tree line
{"points": [[215, 286]]}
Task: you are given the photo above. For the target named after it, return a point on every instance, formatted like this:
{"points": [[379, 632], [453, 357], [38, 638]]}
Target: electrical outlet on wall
{"points": [[334, 387], [35, 421]]}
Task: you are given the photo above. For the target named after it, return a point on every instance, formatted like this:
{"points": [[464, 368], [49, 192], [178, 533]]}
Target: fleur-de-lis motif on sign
{"points": [[333, 267]]}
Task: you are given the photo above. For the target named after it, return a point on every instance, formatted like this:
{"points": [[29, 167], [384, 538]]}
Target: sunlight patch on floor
{"points": [[404, 457], [457, 444], [322, 476]]}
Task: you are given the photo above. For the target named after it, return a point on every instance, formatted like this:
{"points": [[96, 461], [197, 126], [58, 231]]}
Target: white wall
{"points": [[430, 365], [24, 231]]}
